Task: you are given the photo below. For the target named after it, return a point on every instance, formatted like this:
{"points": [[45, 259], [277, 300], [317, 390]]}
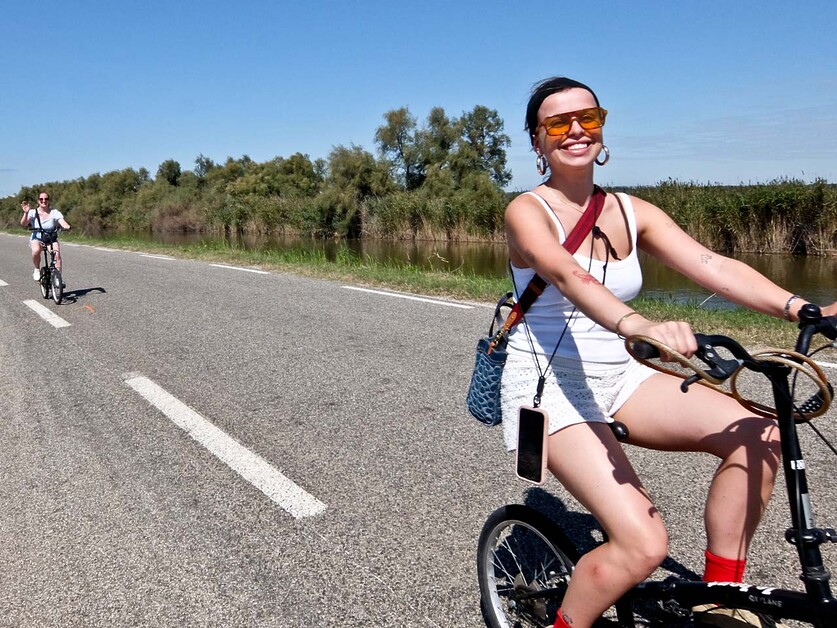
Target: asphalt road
{"points": [[212, 446]]}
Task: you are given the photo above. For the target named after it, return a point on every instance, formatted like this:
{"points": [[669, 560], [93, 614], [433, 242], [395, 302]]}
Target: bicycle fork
{"points": [[803, 534]]}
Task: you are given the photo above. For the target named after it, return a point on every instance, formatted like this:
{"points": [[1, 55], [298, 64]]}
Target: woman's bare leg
{"points": [[660, 416], [35, 247], [590, 463], [58, 261]]}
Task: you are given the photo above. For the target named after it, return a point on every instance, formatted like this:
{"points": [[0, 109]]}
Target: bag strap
{"points": [[587, 221], [538, 284]]}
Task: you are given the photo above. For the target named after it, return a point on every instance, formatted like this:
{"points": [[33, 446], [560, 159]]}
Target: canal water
{"points": [[813, 277]]}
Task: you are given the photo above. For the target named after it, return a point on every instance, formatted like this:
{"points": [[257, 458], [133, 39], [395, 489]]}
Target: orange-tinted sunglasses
{"points": [[588, 119]]}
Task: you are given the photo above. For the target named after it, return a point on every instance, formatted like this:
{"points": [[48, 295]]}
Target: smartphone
{"points": [[532, 435]]}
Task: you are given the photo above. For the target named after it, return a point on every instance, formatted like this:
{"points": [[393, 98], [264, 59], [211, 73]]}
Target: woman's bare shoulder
{"points": [[526, 202], [647, 213]]}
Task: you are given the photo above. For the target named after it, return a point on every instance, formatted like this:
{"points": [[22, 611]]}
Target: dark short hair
{"points": [[546, 88]]}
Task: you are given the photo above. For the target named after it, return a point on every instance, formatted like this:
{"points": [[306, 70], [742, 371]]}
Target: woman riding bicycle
{"points": [[591, 380], [43, 217]]}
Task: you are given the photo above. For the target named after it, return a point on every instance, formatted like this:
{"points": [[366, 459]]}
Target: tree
{"points": [[169, 171], [120, 184], [354, 175], [436, 139], [299, 176], [481, 145], [220, 177], [357, 171], [397, 142], [203, 165]]}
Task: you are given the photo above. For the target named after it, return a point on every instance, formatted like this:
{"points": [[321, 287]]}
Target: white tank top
{"points": [[584, 339]]}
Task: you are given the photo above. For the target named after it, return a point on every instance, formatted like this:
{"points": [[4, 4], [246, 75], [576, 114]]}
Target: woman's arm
{"points": [[660, 236], [24, 221], [59, 218]]}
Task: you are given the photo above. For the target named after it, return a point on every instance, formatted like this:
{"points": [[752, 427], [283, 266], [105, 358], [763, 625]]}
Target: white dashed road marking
{"points": [[45, 313], [248, 270], [411, 297], [250, 466]]}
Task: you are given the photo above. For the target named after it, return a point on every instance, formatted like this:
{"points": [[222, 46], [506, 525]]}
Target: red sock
{"points": [[559, 621], [720, 569]]}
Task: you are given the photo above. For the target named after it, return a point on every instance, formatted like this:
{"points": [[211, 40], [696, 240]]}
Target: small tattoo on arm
{"points": [[567, 619], [705, 258], [586, 278]]}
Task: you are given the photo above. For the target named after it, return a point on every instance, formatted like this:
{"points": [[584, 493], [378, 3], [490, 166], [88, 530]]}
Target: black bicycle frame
{"points": [[803, 534], [49, 254]]}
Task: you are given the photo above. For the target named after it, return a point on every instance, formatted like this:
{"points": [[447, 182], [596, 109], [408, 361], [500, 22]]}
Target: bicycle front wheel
{"points": [[57, 287], [524, 563], [44, 283]]}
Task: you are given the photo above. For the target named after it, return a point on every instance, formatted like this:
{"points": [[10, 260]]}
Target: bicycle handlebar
{"points": [[811, 322], [720, 369]]}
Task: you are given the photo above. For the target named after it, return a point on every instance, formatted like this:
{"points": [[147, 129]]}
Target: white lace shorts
{"points": [[574, 392]]}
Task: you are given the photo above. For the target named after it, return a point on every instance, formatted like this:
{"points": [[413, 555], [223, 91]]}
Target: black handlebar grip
{"points": [[829, 327], [644, 351], [809, 314]]}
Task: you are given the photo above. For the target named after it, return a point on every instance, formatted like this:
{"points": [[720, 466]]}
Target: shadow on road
{"points": [[73, 296]]}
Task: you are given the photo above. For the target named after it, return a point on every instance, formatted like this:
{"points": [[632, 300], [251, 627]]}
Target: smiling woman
{"points": [[44, 222], [569, 353]]}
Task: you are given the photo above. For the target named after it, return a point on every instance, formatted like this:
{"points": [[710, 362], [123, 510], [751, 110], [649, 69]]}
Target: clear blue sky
{"points": [[706, 91]]}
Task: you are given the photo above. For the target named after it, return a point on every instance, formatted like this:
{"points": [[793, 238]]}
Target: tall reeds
{"points": [[783, 216]]}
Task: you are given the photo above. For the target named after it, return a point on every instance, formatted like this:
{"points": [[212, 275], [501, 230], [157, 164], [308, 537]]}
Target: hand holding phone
{"points": [[532, 436]]}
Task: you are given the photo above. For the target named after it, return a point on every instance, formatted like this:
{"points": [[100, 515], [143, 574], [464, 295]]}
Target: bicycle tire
{"points": [[521, 551], [44, 281], [57, 287]]}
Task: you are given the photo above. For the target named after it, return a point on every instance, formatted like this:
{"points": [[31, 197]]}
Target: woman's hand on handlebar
{"points": [[830, 310], [675, 334]]}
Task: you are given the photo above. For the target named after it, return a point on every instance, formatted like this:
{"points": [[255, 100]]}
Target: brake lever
{"points": [[720, 368]]}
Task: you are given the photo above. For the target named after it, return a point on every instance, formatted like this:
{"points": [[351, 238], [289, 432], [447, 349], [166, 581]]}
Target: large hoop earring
{"points": [[541, 164], [607, 156]]}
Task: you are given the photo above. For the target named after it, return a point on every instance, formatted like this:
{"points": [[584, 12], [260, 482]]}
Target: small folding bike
{"points": [[52, 285]]}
